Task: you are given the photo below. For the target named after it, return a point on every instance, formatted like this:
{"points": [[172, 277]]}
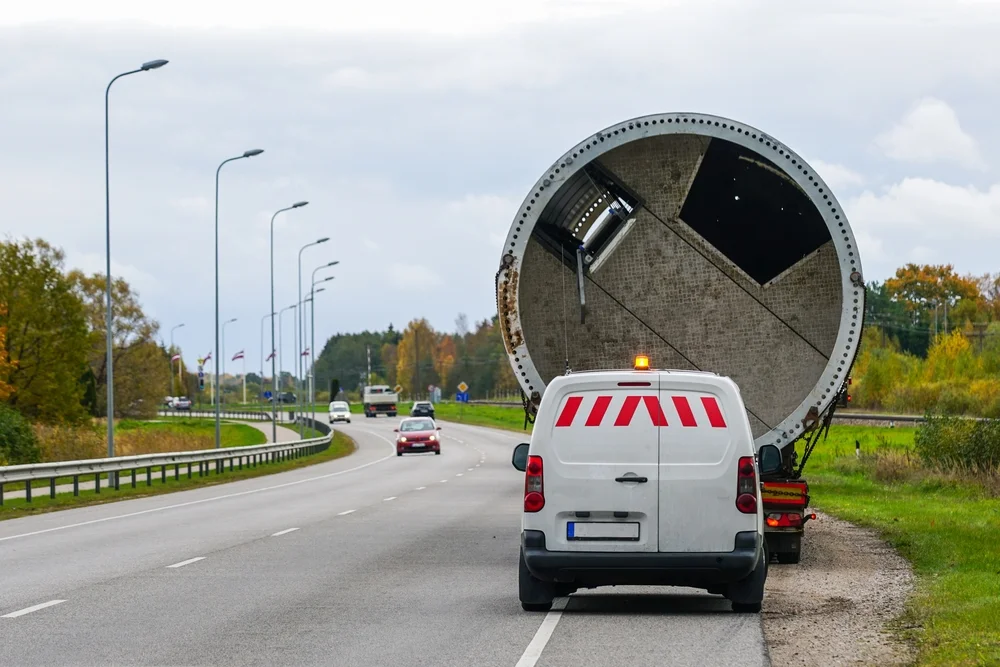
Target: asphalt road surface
{"points": [[368, 560]]}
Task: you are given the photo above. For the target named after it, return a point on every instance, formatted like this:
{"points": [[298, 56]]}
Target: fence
{"points": [[250, 456]]}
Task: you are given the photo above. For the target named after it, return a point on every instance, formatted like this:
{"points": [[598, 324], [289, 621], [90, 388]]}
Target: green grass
{"points": [[18, 507], [230, 434], [945, 527]]}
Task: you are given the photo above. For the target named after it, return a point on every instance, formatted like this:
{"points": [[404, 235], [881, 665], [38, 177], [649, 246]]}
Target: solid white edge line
{"points": [[28, 610], [284, 532], [385, 500], [542, 636], [345, 512], [205, 500], [420, 488], [187, 562]]}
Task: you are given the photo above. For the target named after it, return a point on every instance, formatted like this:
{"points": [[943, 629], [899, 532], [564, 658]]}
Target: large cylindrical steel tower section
{"points": [[697, 240]]}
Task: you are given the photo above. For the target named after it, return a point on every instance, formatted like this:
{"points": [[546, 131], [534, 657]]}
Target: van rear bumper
{"points": [[604, 568]]}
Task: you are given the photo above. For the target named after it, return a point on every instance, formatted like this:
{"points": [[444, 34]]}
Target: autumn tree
{"points": [[46, 335], [924, 288], [141, 365], [415, 357], [444, 360], [6, 365], [389, 356]]}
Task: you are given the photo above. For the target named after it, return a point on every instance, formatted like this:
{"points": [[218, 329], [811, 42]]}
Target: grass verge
{"points": [[18, 507], [943, 523]]}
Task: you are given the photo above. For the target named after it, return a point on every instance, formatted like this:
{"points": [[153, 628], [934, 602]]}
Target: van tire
{"points": [[535, 594], [748, 594]]}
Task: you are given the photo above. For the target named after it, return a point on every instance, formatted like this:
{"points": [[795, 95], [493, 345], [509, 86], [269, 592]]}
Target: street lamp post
{"points": [[218, 394], [312, 342], [262, 354], [299, 329], [109, 334], [171, 361], [274, 377], [222, 358], [280, 360], [312, 338]]}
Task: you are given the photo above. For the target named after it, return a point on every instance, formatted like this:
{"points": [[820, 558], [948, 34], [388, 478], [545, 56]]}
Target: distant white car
{"points": [[340, 411], [181, 403]]}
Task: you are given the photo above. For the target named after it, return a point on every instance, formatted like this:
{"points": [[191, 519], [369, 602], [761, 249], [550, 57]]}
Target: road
{"points": [[368, 560]]}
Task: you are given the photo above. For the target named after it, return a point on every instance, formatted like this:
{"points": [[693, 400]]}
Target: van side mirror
{"points": [[520, 458], [439, 428], [395, 430], [769, 459]]}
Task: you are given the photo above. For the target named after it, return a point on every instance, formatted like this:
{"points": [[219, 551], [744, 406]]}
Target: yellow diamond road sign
{"points": [[462, 387], [398, 388]]}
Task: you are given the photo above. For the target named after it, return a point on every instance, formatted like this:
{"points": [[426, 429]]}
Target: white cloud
{"points": [[412, 277], [931, 133], [837, 176], [925, 220]]}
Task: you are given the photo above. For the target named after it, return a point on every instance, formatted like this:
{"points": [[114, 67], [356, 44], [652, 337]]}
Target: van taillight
{"points": [[746, 486], [534, 493]]}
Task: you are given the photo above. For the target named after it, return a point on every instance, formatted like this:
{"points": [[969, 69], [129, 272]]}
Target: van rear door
{"points": [[705, 434], [602, 434]]}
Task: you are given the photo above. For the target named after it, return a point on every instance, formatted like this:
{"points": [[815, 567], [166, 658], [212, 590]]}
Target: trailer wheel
{"points": [[789, 557]]}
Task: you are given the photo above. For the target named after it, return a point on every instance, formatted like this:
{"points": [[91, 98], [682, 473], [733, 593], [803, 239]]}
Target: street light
{"points": [[222, 359], [312, 336], [109, 360], [274, 377], [299, 329], [218, 428], [172, 361], [262, 353], [280, 364]]}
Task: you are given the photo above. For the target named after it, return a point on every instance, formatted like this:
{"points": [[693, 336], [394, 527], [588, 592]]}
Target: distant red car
{"points": [[417, 434]]}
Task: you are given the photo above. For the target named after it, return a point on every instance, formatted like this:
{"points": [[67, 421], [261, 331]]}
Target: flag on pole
{"points": [[270, 356], [176, 357], [238, 355], [305, 352], [208, 358]]}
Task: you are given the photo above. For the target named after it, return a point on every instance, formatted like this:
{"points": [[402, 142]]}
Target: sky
{"points": [[415, 129]]}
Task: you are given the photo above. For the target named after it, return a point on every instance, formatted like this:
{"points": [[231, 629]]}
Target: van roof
{"points": [[672, 371]]}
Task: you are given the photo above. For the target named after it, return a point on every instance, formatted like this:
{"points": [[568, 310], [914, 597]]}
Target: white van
{"points": [[340, 411], [642, 477]]}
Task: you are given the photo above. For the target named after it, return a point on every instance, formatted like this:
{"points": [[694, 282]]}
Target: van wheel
{"points": [[535, 594], [747, 595]]}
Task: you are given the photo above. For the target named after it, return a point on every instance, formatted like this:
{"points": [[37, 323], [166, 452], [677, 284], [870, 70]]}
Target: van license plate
{"points": [[602, 530]]}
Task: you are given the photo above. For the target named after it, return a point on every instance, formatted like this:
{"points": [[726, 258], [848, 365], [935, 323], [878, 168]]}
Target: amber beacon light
{"points": [[641, 362]]}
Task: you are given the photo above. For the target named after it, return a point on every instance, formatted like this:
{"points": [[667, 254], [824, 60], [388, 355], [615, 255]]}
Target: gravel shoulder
{"points": [[833, 608]]}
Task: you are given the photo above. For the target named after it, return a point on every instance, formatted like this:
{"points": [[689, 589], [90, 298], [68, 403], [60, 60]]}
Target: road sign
{"points": [[430, 387], [398, 388], [462, 396], [267, 394], [463, 388]]}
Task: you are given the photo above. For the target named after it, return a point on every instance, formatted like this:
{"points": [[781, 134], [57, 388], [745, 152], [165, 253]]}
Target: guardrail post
{"points": [[76, 485], [97, 483], [1, 494], [132, 477], [177, 471], [27, 490], [52, 488], [189, 471], [118, 479], [163, 474], [149, 476]]}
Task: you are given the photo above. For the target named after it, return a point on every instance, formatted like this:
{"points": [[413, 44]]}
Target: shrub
{"points": [[953, 443], [17, 441]]}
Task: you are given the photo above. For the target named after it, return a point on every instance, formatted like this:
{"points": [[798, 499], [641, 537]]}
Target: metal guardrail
{"points": [[249, 415], [250, 456]]}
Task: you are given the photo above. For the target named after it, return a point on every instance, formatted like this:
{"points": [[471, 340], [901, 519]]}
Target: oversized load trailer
{"points": [[705, 244]]}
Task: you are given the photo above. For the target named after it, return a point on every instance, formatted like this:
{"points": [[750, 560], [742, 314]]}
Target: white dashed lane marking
{"points": [[284, 532], [28, 610], [187, 562], [385, 500], [345, 512]]}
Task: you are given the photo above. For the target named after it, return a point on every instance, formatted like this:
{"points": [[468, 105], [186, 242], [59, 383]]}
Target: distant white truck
{"points": [[380, 399]]}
